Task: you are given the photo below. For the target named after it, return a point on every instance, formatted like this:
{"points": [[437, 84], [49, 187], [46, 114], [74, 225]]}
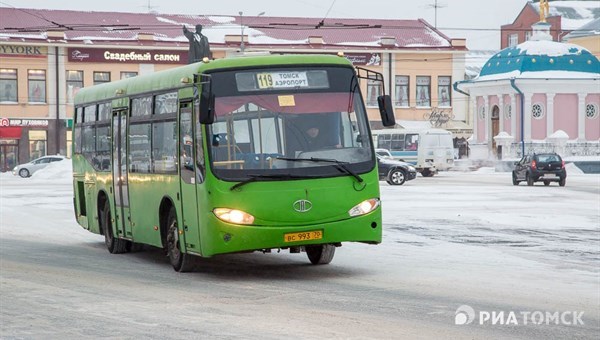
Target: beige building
{"points": [[43, 65]]}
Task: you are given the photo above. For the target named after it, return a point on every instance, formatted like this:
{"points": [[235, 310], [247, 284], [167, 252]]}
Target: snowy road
{"points": [[455, 239]]}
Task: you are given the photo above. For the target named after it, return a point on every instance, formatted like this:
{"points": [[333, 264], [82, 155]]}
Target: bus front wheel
{"points": [[113, 244], [320, 254], [180, 261]]}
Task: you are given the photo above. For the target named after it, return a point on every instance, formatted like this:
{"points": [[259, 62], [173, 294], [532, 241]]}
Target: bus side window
{"points": [[186, 162], [383, 141], [412, 142], [200, 165], [397, 142]]}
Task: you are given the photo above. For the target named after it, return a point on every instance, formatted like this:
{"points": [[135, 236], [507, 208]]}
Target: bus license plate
{"points": [[303, 236]]}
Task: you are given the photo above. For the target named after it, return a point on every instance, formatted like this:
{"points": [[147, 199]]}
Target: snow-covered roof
{"points": [[590, 29], [574, 14], [475, 60], [114, 28], [541, 59]]}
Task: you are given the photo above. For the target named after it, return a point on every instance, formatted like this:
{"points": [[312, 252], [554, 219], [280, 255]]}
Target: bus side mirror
{"points": [[207, 107], [386, 110], [207, 99]]}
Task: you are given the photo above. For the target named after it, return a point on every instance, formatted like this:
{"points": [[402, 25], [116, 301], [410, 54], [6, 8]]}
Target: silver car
{"points": [[27, 169]]}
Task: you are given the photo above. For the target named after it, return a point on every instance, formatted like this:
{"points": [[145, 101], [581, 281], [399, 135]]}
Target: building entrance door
{"points": [[9, 151], [495, 128]]}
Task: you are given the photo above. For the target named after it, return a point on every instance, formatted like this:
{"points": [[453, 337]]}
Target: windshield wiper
{"points": [[257, 178], [338, 164]]}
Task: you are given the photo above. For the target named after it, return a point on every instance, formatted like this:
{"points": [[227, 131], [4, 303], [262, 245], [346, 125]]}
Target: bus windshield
{"points": [[276, 122]]}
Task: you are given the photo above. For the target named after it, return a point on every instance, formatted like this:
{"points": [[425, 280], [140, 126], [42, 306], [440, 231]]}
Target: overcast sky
{"points": [[476, 20]]}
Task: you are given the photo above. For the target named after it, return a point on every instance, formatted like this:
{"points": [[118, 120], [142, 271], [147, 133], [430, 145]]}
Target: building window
{"points": [[69, 137], [74, 83], [423, 91], [373, 91], [125, 75], [528, 35], [37, 86], [402, 90], [591, 111], [481, 112], [8, 84], [444, 93], [101, 77], [508, 111], [37, 144], [513, 40], [537, 111]]}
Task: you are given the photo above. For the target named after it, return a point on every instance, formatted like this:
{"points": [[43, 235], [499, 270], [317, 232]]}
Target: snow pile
{"points": [[572, 169], [60, 171]]}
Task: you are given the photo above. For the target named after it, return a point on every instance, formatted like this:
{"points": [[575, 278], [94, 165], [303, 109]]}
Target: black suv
{"points": [[543, 167]]}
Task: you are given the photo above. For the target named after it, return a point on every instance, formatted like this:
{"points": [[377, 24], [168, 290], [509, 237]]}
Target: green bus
{"points": [[231, 155]]}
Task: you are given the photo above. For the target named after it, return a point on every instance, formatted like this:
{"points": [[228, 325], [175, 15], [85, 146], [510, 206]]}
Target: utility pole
{"points": [[242, 47]]}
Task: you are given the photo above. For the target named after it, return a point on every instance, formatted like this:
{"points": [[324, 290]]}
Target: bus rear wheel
{"points": [[320, 254], [113, 244], [180, 261]]}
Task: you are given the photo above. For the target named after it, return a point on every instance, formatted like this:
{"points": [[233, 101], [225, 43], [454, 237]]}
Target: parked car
{"points": [[384, 153], [28, 169], [395, 172], [543, 167]]}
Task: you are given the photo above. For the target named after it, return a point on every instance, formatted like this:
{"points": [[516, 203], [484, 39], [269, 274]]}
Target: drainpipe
{"points": [[58, 125], [390, 76], [455, 86], [521, 104]]}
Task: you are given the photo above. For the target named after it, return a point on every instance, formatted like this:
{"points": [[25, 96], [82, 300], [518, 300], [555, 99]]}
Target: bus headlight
{"points": [[233, 216], [364, 207]]}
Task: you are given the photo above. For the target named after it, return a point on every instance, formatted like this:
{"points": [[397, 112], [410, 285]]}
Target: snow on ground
{"points": [[456, 234]]}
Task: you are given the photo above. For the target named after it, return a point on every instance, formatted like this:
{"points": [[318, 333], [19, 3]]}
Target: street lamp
{"points": [[242, 28]]}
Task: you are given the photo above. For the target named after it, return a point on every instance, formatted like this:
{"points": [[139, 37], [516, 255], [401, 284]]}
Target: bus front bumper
{"points": [[225, 238]]}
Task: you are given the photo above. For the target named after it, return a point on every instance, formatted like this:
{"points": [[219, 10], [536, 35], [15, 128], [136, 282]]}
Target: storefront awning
{"points": [[10, 132]]}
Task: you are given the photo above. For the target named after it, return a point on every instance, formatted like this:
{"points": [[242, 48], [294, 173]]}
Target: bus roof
{"points": [[171, 78]]}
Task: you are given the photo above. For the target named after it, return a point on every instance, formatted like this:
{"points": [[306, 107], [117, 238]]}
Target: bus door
{"points": [[188, 177], [119, 172]]}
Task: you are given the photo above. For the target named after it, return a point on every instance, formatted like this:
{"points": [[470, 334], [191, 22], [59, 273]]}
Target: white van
{"points": [[429, 150]]}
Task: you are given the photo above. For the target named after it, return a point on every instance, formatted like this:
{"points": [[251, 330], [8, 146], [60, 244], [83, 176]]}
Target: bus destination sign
{"points": [[279, 80]]}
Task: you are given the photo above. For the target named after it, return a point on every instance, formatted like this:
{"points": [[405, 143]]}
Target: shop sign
{"points": [[28, 51], [368, 59], [23, 122], [439, 118], [126, 56]]}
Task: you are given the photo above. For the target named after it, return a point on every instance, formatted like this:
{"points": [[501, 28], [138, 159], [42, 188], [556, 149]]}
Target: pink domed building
{"points": [[538, 96]]}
